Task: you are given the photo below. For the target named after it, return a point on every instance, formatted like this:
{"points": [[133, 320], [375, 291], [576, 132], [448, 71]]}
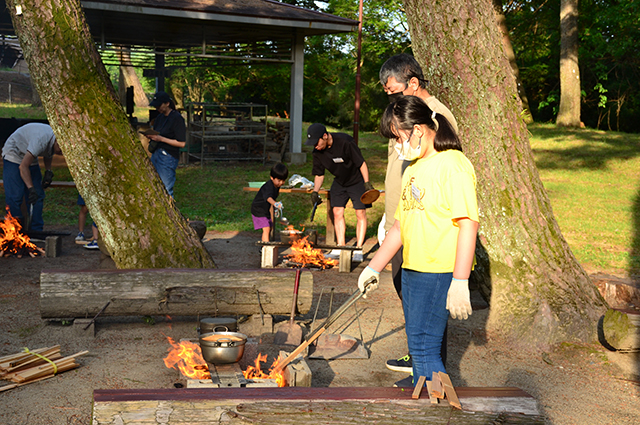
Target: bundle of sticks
{"points": [[35, 365]]}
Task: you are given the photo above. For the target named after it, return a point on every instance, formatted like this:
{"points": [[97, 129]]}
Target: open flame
{"points": [[187, 358], [302, 252], [13, 241], [255, 372]]}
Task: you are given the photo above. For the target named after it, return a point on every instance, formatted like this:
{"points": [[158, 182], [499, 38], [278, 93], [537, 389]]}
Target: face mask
{"points": [[406, 152], [393, 97]]}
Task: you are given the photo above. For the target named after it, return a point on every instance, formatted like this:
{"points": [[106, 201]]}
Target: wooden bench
{"points": [[270, 252]]}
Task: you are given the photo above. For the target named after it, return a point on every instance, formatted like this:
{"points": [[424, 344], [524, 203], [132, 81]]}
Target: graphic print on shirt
{"points": [[412, 196]]}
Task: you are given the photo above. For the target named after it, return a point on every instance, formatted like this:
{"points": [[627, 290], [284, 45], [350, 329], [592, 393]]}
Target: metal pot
{"points": [[222, 347], [290, 236], [209, 324]]}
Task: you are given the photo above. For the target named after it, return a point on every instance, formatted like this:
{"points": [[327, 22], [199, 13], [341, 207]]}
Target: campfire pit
{"points": [[186, 356], [13, 241]]}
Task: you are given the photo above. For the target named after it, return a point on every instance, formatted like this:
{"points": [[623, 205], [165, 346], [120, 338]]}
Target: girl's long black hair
{"points": [[411, 110]]}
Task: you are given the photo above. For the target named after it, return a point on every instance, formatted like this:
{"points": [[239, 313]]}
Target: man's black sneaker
{"points": [[403, 364], [405, 383]]}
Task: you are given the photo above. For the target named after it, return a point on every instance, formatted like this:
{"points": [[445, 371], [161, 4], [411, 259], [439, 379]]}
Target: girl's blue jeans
{"points": [[424, 301]]}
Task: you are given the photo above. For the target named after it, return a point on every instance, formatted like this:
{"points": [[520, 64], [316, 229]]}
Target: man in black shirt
{"points": [[338, 153]]}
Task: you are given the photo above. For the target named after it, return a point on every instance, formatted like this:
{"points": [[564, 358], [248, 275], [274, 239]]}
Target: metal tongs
{"points": [[315, 334]]}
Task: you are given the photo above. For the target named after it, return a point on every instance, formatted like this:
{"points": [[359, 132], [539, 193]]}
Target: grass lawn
{"points": [[592, 178]]}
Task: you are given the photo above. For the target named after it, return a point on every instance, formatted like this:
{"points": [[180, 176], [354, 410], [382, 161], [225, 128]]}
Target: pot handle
{"points": [[226, 329]]}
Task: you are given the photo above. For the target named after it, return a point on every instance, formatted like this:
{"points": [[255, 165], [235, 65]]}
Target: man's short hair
{"points": [[403, 68]]}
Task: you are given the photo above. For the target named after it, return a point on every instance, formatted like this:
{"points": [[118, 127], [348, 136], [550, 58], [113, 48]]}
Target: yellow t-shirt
{"points": [[435, 191]]}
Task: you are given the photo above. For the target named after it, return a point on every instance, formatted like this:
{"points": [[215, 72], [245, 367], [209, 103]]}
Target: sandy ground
{"points": [[574, 384]]}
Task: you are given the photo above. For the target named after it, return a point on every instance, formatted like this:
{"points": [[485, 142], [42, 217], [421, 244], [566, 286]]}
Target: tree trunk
{"points": [[511, 56], [569, 110], [138, 220], [129, 77], [539, 294]]}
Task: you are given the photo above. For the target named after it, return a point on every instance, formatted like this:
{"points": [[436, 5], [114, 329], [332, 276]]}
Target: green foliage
{"points": [[609, 31]]}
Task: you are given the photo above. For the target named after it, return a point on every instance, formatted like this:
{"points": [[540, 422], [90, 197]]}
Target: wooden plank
{"points": [[418, 389], [185, 292], [449, 391], [292, 393], [436, 386], [432, 399]]}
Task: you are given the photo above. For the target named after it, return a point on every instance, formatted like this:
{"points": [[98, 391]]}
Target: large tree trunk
{"points": [[511, 56], [539, 293], [138, 220], [128, 78], [569, 110]]}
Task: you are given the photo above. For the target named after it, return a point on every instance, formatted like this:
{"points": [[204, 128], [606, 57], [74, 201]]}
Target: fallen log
{"points": [[179, 292], [620, 330]]}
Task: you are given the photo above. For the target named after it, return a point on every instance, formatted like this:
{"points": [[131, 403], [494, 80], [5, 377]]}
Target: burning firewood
{"points": [[304, 254], [13, 241]]}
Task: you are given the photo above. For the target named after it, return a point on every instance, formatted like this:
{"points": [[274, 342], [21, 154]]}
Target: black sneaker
{"points": [[405, 383], [403, 364]]}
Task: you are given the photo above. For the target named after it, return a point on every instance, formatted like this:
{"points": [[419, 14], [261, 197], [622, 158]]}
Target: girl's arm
{"points": [[466, 247]]}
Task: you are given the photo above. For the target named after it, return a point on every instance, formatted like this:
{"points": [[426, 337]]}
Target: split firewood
{"points": [[432, 399], [11, 360], [450, 392], [436, 385], [418, 389], [11, 386]]}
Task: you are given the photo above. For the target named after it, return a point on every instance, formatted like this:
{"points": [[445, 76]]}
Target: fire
{"points": [[12, 241], [302, 252], [187, 358], [255, 372]]}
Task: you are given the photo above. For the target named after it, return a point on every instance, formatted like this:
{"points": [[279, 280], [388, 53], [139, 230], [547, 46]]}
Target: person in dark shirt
{"points": [[173, 135], [265, 200], [338, 153]]}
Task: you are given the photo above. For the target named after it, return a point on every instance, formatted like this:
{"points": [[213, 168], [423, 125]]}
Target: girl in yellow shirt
{"points": [[436, 223]]}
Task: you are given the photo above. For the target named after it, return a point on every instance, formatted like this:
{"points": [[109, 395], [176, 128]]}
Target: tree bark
{"points": [[128, 77], [538, 292], [138, 220], [569, 110], [511, 56]]}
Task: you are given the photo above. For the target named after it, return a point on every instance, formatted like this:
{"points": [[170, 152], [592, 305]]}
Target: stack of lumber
{"points": [[35, 365]]}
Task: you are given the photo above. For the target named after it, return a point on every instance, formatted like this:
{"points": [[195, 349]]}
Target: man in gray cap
{"points": [[338, 153], [21, 171]]}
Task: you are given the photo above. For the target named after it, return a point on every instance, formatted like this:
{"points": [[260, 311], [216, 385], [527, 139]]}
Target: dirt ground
{"points": [[573, 385]]}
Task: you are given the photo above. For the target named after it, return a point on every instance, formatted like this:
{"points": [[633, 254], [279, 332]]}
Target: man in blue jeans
{"points": [[21, 171], [172, 136]]}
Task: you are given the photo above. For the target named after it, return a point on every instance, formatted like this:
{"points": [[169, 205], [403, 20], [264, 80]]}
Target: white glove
{"points": [[368, 273], [459, 299], [277, 205]]}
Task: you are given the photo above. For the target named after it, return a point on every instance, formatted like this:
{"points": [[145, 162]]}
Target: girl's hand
{"points": [[459, 299]]}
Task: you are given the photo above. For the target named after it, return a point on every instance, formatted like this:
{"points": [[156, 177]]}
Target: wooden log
{"points": [[182, 292], [620, 330]]}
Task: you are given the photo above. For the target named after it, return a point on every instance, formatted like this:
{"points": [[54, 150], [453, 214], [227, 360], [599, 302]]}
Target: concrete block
{"points": [[297, 373], [295, 158], [52, 246], [79, 326], [269, 257]]}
